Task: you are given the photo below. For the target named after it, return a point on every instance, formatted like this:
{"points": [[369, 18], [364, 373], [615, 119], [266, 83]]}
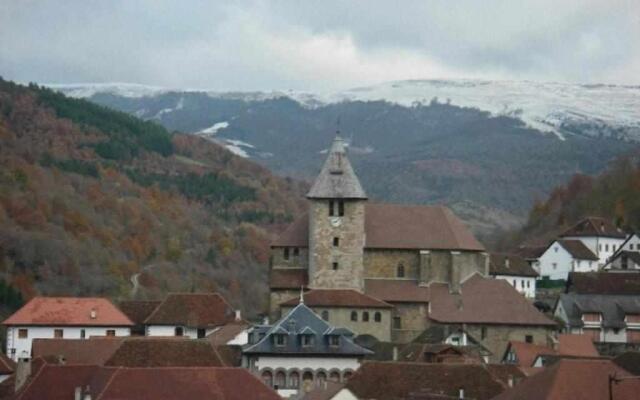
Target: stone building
{"points": [[391, 253]]}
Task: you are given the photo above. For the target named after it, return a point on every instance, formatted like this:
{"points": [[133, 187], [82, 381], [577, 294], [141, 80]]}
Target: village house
{"points": [[62, 318], [563, 256], [193, 315], [599, 235], [576, 379], [422, 261], [301, 350], [516, 271]]}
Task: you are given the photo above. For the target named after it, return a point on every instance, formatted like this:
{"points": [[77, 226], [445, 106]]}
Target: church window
{"points": [[336, 242], [400, 271], [377, 316], [365, 316], [335, 266], [331, 208], [354, 316], [325, 315], [397, 323], [341, 208], [286, 253]]}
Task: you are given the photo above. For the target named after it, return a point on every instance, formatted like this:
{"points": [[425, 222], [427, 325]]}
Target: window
{"points": [[23, 333], [286, 253], [111, 332], [58, 333], [522, 284], [179, 331], [606, 247], [83, 334], [296, 252], [325, 315], [294, 380], [528, 284], [307, 340], [341, 208], [397, 323], [365, 316], [600, 247], [377, 316], [613, 246], [514, 283], [280, 340], [334, 266], [400, 271], [321, 377], [334, 376], [201, 333], [631, 246], [267, 378], [334, 340], [555, 265], [336, 242], [483, 332], [354, 316], [280, 380], [331, 208], [528, 338], [250, 338], [555, 249]]}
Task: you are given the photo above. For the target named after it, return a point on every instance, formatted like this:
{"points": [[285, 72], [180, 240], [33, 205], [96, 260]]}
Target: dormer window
{"points": [[307, 340], [334, 340], [280, 339]]}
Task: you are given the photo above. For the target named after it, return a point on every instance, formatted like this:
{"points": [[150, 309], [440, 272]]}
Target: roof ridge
{"points": [[109, 381]]}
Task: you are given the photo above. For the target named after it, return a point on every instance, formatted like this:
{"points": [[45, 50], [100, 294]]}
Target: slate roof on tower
{"points": [[337, 180], [395, 226]]}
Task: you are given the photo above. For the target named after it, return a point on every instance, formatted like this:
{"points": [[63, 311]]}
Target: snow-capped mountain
{"points": [[561, 108]]}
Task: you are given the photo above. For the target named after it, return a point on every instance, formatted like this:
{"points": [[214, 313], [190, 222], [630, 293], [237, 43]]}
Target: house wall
{"points": [[23, 346], [523, 284], [170, 330], [497, 337], [299, 261], [381, 263], [349, 254], [617, 265], [633, 244], [413, 317], [555, 263], [341, 317]]}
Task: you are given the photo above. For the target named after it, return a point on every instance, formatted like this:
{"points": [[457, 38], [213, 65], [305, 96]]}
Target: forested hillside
{"points": [[614, 194], [97, 202]]}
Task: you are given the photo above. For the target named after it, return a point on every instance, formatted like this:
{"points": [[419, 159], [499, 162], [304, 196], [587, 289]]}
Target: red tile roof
{"points": [[396, 291], [74, 311], [95, 351], [396, 380], [603, 283], [57, 382], [187, 384], [577, 249], [138, 310], [393, 226], [197, 310], [165, 352], [576, 345], [595, 226], [510, 265], [575, 379], [290, 278], [337, 298], [7, 365], [526, 353], [484, 301]]}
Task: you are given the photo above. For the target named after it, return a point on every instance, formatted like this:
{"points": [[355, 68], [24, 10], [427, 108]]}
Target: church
{"points": [[392, 271]]}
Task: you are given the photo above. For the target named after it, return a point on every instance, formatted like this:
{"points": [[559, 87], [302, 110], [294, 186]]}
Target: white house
{"points": [[194, 315], [624, 261], [300, 351], [564, 256], [516, 271], [62, 318], [599, 235]]}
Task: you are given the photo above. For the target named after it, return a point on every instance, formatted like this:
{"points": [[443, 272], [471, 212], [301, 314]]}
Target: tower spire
{"points": [[301, 295]]}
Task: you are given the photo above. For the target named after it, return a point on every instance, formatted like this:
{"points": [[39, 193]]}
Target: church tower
{"points": [[336, 224]]}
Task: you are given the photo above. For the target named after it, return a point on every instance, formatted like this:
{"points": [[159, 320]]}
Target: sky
{"points": [[317, 46]]}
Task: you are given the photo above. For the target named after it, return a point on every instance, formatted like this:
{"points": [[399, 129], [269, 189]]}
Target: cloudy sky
{"points": [[317, 45]]}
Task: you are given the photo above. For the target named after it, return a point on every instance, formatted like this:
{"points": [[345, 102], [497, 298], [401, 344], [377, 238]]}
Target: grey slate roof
{"points": [[301, 320], [337, 180], [613, 308]]}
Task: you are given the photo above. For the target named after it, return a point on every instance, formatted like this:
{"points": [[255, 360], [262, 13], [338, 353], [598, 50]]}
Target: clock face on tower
{"points": [[336, 221]]}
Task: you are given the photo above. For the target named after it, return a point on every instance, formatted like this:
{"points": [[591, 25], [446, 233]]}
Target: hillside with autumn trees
{"points": [[97, 202], [614, 194]]}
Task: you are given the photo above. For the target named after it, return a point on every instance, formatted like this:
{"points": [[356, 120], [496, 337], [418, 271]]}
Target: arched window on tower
{"points": [[400, 270]]}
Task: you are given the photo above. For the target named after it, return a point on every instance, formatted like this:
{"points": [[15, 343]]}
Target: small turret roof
{"points": [[337, 180]]}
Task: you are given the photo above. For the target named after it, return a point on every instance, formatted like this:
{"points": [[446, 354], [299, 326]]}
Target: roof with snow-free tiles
{"points": [[196, 310], [73, 311]]}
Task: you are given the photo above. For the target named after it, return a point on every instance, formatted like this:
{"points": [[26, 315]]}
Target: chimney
{"points": [[265, 320], [93, 313], [238, 315], [395, 353], [510, 381], [23, 371], [461, 394], [506, 262], [78, 393], [87, 393]]}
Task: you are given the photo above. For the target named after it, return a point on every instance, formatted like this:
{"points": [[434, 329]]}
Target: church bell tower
{"points": [[336, 224]]}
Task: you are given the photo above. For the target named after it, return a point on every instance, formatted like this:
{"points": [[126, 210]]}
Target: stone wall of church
{"points": [[413, 321], [298, 257], [342, 317], [348, 254], [497, 337], [277, 297], [451, 266], [380, 263]]}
